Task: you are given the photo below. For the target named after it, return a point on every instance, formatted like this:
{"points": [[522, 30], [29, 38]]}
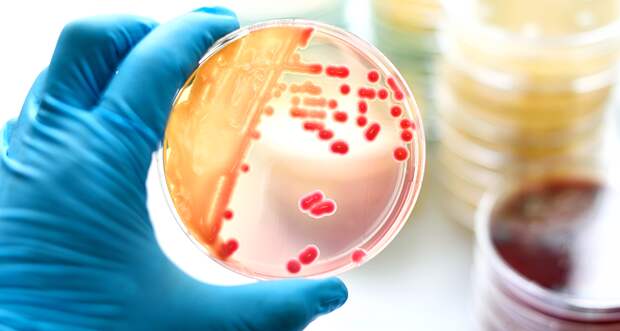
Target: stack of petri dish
{"points": [[547, 249], [406, 31], [521, 82]]}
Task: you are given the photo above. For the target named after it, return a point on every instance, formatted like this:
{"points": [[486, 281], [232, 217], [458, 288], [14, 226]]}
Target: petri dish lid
{"points": [[295, 149]]}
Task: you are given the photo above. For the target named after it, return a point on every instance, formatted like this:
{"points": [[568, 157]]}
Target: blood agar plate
{"points": [[284, 153], [548, 249]]}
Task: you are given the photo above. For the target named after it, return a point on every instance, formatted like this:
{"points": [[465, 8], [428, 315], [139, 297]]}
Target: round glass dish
{"points": [[547, 249], [295, 149]]}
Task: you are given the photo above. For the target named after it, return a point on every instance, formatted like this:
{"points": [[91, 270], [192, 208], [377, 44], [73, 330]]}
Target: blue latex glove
{"points": [[77, 248]]}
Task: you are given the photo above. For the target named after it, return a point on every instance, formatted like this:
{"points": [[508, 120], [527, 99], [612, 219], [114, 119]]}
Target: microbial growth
{"points": [[276, 141]]}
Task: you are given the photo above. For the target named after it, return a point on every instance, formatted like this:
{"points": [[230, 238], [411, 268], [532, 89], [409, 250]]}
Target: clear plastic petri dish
{"points": [[547, 248], [459, 184], [295, 149], [459, 197], [515, 44], [497, 155], [536, 108], [534, 135], [457, 210], [533, 105]]}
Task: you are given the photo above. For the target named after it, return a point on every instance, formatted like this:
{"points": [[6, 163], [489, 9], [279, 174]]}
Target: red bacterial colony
{"points": [[334, 71], [245, 167], [332, 104], [398, 93], [362, 106], [313, 126], [405, 123], [308, 254], [345, 89], [228, 214], [401, 153], [406, 136], [373, 76], [316, 205], [358, 255], [228, 248], [323, 208], [309, 200], [361, 120], [293, 266], [326, 134], [396, 111], [305, 257], [372, 131], [340, 147], [368, 93], [382, 94], [340, 116]]}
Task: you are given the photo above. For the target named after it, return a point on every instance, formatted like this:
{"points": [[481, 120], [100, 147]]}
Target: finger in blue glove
{"points": [[77, 248]]}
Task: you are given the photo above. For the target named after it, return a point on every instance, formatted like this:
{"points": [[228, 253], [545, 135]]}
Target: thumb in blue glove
{"points": [[77, 248]]}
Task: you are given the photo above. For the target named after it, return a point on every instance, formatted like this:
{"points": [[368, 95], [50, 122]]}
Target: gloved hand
{"points": [[77, 249]]}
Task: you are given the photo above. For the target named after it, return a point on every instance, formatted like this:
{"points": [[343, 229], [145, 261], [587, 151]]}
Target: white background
{"points": [[420, 282]]}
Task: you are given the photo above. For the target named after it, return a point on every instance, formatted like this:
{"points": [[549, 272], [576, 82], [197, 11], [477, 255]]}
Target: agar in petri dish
{"points": [[560, 233], [286, 155], [548, 249]]}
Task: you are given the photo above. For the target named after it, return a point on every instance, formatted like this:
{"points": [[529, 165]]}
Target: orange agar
{"points": [[207, 195]]}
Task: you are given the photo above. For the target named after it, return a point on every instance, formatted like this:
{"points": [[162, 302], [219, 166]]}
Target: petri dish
{"points": [[294, 150], [552, 50], [547, 246], [495, 155], [532, 108]]}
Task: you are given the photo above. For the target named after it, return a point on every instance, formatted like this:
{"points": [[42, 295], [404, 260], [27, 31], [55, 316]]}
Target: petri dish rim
{"points": [[412, 175]]}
